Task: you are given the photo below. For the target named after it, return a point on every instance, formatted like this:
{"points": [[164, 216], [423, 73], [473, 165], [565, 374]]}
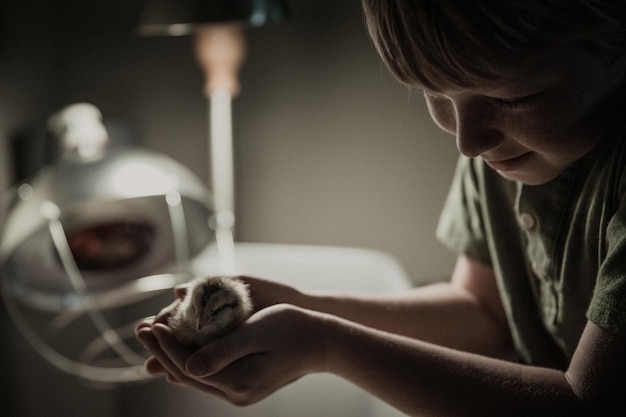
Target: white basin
{"points": [[309, 268], [315, 268]]}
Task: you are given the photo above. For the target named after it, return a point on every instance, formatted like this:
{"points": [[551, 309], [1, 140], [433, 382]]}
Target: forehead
{"points": [[564, 64]]}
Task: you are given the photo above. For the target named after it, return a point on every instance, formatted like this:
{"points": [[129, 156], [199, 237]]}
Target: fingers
{"points": [[152, 343], [145, 323], [164, 315], [181, 290], [213, 357], [266, 293], [168, 356], [243, 366], [245, 381], [176, 352], [246, 378], [170, 353], [262, 355], [169, 359], [154, 367], [273, 329]]}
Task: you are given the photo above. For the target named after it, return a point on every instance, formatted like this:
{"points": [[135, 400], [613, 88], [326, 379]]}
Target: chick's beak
{"points": [[200, 322]]}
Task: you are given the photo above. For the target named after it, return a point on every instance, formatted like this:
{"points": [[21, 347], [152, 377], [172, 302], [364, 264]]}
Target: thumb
{"points": [[218, 354]]}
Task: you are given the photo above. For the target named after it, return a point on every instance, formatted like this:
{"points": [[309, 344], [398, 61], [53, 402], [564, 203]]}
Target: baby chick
{"points": [[212, 307]]}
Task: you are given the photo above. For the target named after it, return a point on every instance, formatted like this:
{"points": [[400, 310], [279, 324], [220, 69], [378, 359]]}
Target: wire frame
{"points": [[91, 335]]}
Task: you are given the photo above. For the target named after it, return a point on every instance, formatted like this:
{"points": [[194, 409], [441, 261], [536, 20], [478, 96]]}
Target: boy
{"points": [[533, 321]]}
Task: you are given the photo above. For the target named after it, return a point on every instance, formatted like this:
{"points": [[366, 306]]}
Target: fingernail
{"points": [[159, 331], [143, 335], [196, 366]]}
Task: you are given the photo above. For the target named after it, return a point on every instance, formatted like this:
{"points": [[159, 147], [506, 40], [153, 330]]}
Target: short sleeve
{"points": [[461, 225], [608, 304]]}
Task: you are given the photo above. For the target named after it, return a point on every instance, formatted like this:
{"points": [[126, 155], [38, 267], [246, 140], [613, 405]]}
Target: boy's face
{"points": [[532, 129]]}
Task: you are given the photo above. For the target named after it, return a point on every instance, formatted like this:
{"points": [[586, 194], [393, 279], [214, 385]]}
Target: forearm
{"points": [[442, 314], [424, 379]]}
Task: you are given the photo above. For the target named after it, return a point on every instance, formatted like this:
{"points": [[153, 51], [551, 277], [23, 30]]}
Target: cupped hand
{"points": [[265, 293], [276, 346]]}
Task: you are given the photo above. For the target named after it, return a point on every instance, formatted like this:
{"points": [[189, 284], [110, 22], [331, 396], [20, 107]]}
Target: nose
{"points": [[470, 120], [476, 131]]}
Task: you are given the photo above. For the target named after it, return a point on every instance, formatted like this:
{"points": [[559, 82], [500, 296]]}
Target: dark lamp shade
{"points": [[180, 17]]}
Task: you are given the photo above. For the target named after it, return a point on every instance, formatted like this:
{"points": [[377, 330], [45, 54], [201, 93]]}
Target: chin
{"points": [[537, 175], [528, 179]]}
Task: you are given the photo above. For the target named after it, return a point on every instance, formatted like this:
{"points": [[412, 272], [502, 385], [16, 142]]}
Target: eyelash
{"points": [[505, 103], [509, 104]]}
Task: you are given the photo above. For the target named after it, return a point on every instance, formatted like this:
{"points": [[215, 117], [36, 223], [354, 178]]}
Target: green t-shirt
{"points": [[558, 249]]}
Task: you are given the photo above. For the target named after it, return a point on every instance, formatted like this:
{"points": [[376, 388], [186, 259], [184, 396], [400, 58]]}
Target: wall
{"points": [[330, 149], [346, 155]]}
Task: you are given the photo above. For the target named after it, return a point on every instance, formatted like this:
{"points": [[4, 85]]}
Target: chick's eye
{"points": [[219, 309], [224, 306]]}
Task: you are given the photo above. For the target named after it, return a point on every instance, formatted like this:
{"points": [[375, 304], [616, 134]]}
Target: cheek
{"points": [[442, 112]]}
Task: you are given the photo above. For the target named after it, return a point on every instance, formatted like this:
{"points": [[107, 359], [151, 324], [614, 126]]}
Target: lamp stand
{"points": [[220, 51]]}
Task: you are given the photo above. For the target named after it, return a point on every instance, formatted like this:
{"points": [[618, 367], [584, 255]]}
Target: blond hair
{"points": [[432, 43]]}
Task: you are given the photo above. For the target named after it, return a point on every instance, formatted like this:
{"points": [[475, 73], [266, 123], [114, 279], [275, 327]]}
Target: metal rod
{"points": [[222, 170], [87, 302], [220, 50], [179, 230]]}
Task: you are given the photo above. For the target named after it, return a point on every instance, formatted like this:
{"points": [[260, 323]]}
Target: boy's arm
{"points": [[464, 314], [425, 379], [282, 343], [441, 378], [450, 382]]}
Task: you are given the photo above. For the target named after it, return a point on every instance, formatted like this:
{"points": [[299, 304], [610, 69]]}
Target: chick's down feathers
{"points": [[212, 307]]}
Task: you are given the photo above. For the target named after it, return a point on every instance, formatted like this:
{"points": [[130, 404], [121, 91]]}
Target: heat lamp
{"points": [[218, 29], [94, 242]]}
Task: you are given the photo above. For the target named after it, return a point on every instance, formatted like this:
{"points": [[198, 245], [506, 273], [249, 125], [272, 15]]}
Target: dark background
{"points": [[329, 148]]}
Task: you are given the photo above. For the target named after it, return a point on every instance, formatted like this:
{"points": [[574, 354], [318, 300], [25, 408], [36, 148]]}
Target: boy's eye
{"points": [[513, 103], [504, 103], [507, 103]]}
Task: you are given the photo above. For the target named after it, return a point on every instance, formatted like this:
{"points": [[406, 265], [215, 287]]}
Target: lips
{"points": [[508, 164]]}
